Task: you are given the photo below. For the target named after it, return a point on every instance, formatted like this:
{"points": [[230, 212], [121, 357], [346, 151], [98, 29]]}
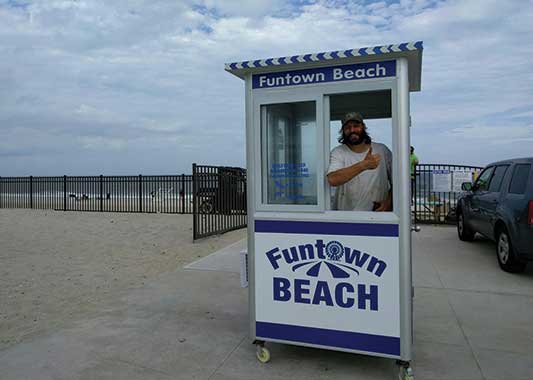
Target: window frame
{"points": [[321, 94], [513, 175], [277, 97], [493, 175], [476, 184]]}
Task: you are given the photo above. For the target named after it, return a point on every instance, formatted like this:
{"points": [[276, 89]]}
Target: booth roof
{"points": [[410, 50]]}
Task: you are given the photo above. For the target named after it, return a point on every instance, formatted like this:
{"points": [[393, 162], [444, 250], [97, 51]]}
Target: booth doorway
{"points": [[376, 109]]}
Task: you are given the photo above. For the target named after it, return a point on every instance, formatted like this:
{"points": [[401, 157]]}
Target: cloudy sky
{"points": [[129, 87]]}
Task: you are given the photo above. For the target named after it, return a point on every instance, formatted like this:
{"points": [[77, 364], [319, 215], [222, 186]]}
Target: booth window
{"points": [[289, 134]]}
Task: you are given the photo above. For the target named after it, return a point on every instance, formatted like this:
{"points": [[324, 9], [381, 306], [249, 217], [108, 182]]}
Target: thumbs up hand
{"points": [[371, 161]]}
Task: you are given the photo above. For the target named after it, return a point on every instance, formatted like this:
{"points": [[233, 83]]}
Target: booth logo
{"points": [[339, 290], [341, 261]]}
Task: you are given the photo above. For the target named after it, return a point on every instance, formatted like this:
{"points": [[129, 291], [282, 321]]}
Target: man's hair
{"points": [[367, 138]]}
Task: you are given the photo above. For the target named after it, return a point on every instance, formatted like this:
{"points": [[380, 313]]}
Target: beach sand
{"points": [[59, 267]]}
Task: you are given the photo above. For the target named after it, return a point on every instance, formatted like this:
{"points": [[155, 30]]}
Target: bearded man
{"points": [[360, 169]]}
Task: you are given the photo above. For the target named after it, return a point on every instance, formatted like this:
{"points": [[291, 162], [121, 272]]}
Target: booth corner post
{"points": [[320, 277]]}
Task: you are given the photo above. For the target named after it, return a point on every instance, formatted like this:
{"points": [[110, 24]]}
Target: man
{"points": [[414, 161], [360, 169]]}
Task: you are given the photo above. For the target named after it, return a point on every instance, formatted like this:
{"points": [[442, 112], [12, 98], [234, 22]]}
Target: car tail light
{"points": [[530, 214]]}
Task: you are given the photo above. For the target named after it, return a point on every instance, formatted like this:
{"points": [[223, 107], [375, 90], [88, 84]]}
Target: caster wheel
{"points": [[263, 354], [405, 371]]}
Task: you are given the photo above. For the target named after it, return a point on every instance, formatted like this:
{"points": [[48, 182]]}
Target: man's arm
{"points": [[341, 176]]}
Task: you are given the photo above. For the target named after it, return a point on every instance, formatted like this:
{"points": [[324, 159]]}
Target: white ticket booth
{"points": [[320, 276]]}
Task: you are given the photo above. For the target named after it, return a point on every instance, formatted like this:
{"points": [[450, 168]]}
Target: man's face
{"points": [[354, 132]]}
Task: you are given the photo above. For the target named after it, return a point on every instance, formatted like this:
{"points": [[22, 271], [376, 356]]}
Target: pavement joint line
{"points": [[466, 337], [227, 357], [459, 322], [477, 291]]}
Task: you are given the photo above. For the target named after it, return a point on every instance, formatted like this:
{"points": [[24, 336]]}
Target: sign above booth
{"points": [[333, 66], [356, 71]]}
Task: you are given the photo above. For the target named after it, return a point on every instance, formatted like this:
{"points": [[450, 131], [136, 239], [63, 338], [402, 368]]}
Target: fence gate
{"points": [[435, 190], [219, 199]]}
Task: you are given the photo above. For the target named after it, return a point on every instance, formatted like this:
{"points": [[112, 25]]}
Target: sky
{"points": [[139, 87]]}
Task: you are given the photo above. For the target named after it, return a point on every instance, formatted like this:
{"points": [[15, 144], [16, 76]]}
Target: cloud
{"points": [[141, 84]]}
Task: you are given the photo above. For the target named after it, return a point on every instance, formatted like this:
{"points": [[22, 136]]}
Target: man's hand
{"points": [[371, 161], [385, 205], [341, 176]]}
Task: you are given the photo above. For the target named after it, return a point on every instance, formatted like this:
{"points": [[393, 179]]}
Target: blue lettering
{"points": [[273, 258], [290, 257], [380, 266], [360, 260], [281, 289], [371, 296], [340, 290], [310, 254], [322, 293], [300, 291], [320, 249]]}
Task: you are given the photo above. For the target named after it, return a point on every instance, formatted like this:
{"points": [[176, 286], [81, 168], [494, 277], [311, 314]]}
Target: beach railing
{"points": [[435, 189], [219, 200], [141, 193], [216, 198]]}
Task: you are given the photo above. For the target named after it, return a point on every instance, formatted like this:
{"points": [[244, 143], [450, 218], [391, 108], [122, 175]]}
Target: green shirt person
{"points": [[414, 162]]}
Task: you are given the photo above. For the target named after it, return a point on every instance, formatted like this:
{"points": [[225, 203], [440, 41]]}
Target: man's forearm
{"points": [[341, 176]]}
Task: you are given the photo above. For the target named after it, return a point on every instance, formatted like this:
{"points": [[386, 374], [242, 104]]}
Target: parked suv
{"points": [[499, 205]]}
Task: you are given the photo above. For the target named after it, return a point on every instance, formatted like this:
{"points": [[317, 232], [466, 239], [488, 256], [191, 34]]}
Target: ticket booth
{"points": [[321, 275]]}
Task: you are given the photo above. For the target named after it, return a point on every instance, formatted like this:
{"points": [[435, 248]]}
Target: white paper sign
{"points": [[460, 177], [442, 181]]}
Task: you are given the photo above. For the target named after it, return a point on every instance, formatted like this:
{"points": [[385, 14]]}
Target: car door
{"points": [[479, 190], [517, 202], [489, 200]]}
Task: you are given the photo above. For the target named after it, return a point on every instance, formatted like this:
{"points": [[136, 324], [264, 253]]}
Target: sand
{"points": [[59, 267]]}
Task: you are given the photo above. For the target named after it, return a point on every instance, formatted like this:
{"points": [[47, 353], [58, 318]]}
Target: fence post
{"points": [[182, 193], [31, 191], [101, 193], [413, 193], [194, 202], [64, 193], [1, 192], [140, 193]]}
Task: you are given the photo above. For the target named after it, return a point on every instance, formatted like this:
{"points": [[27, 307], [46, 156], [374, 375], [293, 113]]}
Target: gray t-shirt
{"points": [[369, 186]]}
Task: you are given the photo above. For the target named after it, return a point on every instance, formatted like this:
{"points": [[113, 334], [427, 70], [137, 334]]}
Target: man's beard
{"points": [[359, 139]]}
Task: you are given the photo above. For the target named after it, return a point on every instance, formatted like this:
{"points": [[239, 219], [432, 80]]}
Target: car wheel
{"points": [[464, 232], [505, 253]]}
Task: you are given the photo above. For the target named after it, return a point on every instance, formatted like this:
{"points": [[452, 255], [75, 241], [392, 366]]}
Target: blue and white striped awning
{"points": [[411, 50]]}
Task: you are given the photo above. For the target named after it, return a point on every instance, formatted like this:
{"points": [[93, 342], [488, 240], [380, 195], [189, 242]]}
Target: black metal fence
{"points": [[215, 195], [219, 199], [165, 193], [435, 190]]}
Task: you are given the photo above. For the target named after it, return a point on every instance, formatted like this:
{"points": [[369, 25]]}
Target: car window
{"points": [[519, 180], [484, 178], [497, 178]]}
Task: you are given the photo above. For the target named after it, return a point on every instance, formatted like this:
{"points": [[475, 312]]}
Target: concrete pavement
{"points": [[472, 321]]}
